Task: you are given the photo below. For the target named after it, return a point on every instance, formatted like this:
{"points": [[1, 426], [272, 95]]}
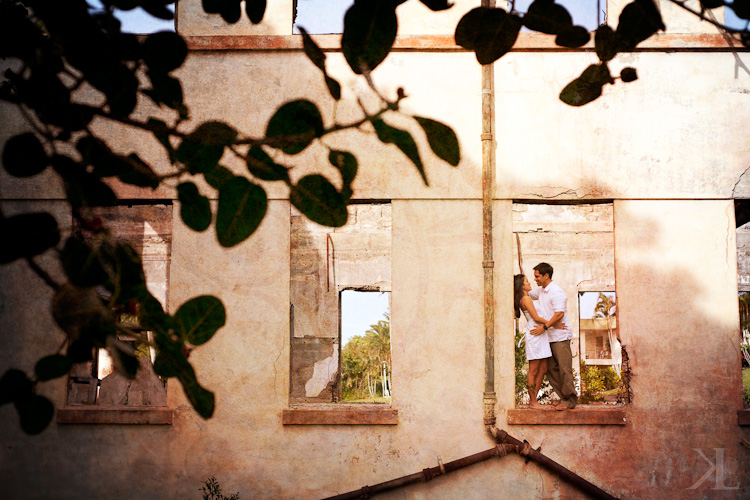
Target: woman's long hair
{"points": [[517, 293]]}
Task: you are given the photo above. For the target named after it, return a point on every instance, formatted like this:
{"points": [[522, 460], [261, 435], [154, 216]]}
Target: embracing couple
{"points": [[548, 336]]}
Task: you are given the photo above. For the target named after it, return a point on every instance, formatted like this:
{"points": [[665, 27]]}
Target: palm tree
{"points": [[606, 307]]}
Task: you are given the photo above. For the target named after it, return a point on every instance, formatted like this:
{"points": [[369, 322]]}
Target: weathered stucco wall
{"points": [[667, 150]]}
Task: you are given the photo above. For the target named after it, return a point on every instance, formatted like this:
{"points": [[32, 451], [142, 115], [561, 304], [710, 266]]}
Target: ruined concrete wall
{"points": [[668, 149]]}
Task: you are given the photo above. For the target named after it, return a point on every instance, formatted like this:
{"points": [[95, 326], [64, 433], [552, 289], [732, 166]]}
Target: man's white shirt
{"points": [[552, 299]]}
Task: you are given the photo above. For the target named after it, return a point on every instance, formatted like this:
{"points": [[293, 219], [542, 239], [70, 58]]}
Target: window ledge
{"points": [[581, 415], [340, 415], [743, 416], [114, 415]]}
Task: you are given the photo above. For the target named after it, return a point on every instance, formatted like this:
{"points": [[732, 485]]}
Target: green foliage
{"points": [[369, 32], [362, 361], [521, 374], [596, 380], [319, 200], [403, 141], [212, 491]]}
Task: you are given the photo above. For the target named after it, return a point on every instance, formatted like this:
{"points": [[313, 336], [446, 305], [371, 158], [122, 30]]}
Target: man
{"points": [[553, 306]]}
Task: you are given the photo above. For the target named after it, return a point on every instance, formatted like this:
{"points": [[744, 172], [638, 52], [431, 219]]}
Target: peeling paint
{"points": [[324, 373]]}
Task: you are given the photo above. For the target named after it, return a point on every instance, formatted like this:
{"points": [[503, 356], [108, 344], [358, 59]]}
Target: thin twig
{"points": [[42, 274]]}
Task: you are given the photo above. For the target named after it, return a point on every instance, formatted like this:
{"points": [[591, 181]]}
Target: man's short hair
{"points": [[543, 269]]}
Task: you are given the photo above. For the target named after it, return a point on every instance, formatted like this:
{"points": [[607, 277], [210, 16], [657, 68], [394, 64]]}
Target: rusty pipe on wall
{"points": [[488, 169], [530, 453], [429, 473]]}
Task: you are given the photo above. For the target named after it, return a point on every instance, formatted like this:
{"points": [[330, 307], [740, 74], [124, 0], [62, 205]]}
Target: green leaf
{"points": [[81, 264], [242, 206], [403, 140], [334, 88], [255, 10], [346, 163], [442, 139], [217, 176], [164, 51], [296, 124], [741, 8], [171, 362], [26, 235], [24, 156], [546, 16], [628, 75], [82, 188], [53, 366], [14, 385], [36, 413], [319, 200], [123, 357], [198, 319], [165, 90], [203, 148], [490, 33], [161, 133], [318, 58], [263, 167], [203, 400], [195, 209], [129, 280], [139, 173], [82, 315], [573, 37], [587, 87], [158, 9], [606, 42], [437, 5], [312, 50], [638, 21], [370, 29]]}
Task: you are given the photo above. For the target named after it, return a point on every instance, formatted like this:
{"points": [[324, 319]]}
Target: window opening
{"points": [[577, 240], [587, 13], [742, 219], [148, 229], [331, 268], [320, 16], [137, 20], [601, 352], [366, 347]]}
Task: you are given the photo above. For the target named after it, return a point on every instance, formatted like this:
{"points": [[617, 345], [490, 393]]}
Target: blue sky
{"points": [[587, 302], [359, 310], [138, 21]]}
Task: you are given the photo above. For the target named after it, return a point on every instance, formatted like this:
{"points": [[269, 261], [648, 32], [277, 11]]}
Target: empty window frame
{"points": [[365, 346], [148, 229], [327, 265], [320, 16], [137, 20], [587, 13], [577, 240], [742, 220]]}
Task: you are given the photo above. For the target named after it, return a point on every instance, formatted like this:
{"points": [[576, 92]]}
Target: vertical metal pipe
{"points": [[488, 167]]}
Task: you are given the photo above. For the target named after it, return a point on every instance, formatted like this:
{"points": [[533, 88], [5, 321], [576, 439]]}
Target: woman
{"points": [[537, 346]]}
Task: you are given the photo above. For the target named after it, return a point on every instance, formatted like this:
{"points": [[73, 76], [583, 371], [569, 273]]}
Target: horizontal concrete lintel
{"points": [[581, 415], [525, 42], [743, 417], [342, 416], [114, 415]]}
